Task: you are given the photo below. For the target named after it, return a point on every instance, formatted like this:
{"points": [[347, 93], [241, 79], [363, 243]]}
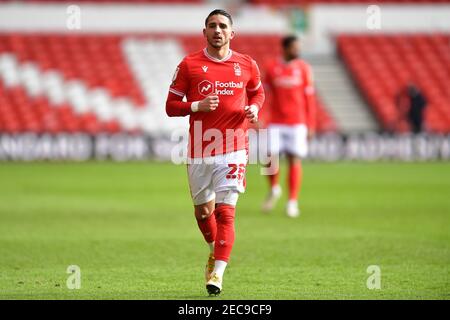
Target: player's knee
{"points": [[227, 197], [203, 212], [294, 159], [225, 213]]}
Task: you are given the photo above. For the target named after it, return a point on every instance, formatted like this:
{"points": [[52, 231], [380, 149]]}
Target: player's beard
{"points": [[292, 56], [218, 46]]}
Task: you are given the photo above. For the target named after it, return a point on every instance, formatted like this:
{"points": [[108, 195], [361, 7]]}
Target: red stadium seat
{"points": [[98, 61], [382, 65], [306, 2]]}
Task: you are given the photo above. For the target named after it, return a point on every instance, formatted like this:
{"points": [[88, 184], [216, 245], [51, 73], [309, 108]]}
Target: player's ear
{"points": [[232, 34], [204, 32]]}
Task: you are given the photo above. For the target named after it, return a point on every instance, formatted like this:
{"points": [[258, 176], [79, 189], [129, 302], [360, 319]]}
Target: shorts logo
{"points": [[205, 88]]}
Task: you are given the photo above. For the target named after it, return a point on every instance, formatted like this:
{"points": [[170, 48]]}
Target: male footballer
{"points": [[223, 92]]}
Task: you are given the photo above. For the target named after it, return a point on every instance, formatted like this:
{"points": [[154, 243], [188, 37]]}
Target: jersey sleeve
{"points": [[180, 81], [309, 87], [311, 108], [255, 81], [266, 76], [255, 91], [175, 107]]}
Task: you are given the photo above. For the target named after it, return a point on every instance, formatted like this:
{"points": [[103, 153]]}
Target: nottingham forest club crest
{"points": [[237, 70]]}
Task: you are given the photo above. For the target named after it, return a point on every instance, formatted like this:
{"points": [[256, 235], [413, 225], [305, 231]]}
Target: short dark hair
{"points": [[287, 41], [221, 12]]}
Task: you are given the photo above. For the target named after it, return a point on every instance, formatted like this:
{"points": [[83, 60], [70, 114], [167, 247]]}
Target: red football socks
{"points": [[225, 232], [274, 179], [295, 176], [208, 227]]}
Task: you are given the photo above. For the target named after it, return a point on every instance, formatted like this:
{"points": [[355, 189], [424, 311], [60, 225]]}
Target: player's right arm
{"points": [[267, 78], [175, 106], [311, 106]]}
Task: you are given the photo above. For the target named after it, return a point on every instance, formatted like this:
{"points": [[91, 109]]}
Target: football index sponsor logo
{"points": [[288, 81], [206, 87], [227, 88]]}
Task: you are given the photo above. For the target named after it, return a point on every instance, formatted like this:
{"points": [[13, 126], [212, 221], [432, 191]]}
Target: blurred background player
{"points": [[216, 82], [292, 119]]}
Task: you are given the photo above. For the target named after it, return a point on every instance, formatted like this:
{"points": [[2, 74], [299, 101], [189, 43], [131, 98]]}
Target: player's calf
{"points": [[206, 221]]}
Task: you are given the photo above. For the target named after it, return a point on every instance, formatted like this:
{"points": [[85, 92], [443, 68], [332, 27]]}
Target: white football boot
{"points": [[272, 198], [292, 209], [214, 285]]}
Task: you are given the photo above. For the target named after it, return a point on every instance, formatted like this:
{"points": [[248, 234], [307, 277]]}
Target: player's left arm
{"points": [[310, 98], [255, 94]]}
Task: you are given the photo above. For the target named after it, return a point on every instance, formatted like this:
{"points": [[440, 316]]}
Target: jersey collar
{"points": [[228, 56], [288, 63]]}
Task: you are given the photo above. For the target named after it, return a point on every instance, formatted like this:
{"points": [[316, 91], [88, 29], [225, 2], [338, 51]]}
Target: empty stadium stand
{"points": [[382, 65], [302, 2], [269, 2], [100, 83], [166, 2]]}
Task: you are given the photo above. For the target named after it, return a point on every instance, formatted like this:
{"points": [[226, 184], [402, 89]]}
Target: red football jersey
{"points": [[234, 79], [291, 85]]}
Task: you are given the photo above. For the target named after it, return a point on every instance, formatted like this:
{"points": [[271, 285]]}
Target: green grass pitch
{"points": [[131, 230]]}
